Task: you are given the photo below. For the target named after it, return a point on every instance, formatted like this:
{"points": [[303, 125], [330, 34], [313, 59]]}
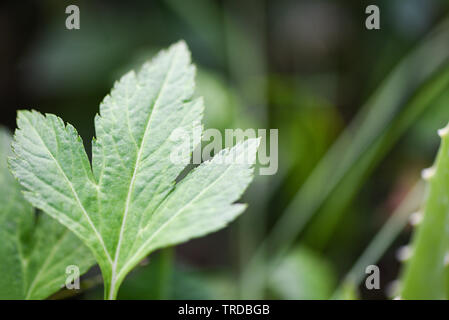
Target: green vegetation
{"points": [[127, 205], [357, 112]]}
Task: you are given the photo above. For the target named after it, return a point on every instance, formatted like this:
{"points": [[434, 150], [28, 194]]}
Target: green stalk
{"points": [[424, 275]]}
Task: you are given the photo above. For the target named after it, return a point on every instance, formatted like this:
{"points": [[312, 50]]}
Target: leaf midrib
{"points": [[136, 166]]}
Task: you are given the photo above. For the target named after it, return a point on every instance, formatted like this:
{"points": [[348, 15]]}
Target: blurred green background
{"points": [[357, 112]]}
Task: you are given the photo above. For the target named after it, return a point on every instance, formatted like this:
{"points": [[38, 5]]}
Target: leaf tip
{"points": [[23, 113], [180, 44]]}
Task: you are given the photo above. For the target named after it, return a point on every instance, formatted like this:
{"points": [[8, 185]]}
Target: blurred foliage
{"points": [[303, 275]]}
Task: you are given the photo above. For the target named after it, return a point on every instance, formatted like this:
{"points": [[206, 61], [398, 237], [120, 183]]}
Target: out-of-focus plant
{"points": [[406, 93], [425, 273], [303, 275]]}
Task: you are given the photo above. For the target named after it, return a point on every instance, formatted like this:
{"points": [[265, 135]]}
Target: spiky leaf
{"points": [[424, 276]]}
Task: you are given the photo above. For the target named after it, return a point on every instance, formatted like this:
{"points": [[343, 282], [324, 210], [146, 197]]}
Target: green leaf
{"points": [[128, 205], [35, 251], [424, 275]]}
